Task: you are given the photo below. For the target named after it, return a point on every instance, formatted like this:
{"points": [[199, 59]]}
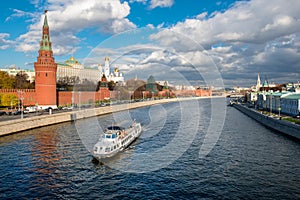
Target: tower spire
{"points": [[45, 19], [258, 83], [45, 43]]}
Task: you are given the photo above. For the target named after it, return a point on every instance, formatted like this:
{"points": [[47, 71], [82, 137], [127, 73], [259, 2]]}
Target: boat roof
{"points": [[115, 128]]}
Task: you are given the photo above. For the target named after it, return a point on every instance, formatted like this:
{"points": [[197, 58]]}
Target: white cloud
{"points": [[138, 1], [201, 15], [4, 42], [155, 3], [244, 22], [19, 13], [161, 3], [254, 36], [77, 15], [279, 21], [67, 18], [246, 29]]}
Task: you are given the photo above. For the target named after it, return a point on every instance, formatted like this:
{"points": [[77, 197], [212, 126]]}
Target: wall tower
{"points": [[45, 71]]}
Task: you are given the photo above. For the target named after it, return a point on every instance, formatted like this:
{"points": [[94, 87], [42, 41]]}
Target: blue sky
{"points": [[238, 39]]}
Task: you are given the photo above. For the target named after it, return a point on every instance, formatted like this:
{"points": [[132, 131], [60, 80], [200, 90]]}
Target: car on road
{"points": [[31, 109], [3, 113], [18, 112], [68, 108]]}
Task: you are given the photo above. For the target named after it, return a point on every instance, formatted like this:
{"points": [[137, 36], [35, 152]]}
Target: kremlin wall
{"points": [[46, 95]]}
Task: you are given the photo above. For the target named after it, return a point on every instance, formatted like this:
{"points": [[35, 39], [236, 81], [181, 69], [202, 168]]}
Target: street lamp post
{"points": [[22, 101], [270, 104], [79, 102], [21, 98]]}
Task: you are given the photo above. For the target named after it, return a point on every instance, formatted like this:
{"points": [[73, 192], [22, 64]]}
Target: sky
{"points": [[196, 41]]}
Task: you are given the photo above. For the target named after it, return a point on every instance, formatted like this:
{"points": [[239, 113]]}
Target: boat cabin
{"points": [[112, 132]]}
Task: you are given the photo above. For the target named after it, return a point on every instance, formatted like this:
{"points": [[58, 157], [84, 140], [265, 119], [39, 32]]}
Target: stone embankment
{"points": [[282, 126], [14, 126]]}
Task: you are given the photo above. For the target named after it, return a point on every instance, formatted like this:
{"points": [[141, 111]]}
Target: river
{"points": [[173, 159]]}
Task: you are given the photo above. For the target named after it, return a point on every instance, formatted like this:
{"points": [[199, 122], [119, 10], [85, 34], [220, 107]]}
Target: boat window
{"points": [[107, 136], [113, 136], [95, 149], [114, 128], [107, 149], [115, 147]]}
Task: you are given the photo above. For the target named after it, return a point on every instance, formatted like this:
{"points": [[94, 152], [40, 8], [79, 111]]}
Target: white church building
{"points": [[114, 75]]}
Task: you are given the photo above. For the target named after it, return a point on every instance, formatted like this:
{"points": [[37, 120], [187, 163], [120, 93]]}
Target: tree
{"points": [[111, 85], [9, 99], [22, 81], [85, 85], [6, 81]]}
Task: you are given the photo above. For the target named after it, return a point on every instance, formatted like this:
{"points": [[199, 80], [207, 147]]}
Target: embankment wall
{"points": [[282, 126], [14, 126]]}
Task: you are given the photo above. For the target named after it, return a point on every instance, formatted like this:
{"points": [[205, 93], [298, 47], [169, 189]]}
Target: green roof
{"points": [[279, 93], [292, 96], [63, 64], [72, 60]]}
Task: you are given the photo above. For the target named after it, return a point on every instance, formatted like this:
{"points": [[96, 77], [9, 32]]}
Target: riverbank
{"points": [[14, 126], [279, 125]]}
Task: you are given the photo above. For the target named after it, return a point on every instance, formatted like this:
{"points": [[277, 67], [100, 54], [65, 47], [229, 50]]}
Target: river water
{"points": [[244, 161]]}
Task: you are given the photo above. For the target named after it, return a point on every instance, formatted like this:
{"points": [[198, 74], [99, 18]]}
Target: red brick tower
{"points": [[45, 71]]}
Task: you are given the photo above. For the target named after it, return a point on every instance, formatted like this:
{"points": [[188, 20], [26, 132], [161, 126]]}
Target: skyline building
{"points": [[73, 68]]}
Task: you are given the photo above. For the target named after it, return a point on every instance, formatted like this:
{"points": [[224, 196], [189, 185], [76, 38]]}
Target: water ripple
{"points": [[248, 161]]}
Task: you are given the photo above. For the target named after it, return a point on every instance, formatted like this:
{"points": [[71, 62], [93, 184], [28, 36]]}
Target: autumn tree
{"points": [[6, 81], [9, 99]]}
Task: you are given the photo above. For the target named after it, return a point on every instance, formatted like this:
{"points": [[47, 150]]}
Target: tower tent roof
{"points": [[45, 19], [45, 43]]}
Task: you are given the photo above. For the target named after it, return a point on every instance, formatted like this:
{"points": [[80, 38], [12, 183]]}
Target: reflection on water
{"points": [[248, 161]]}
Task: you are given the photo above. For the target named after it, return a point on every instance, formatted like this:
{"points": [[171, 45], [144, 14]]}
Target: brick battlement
{"points": [[27, 94], [16, 90]]}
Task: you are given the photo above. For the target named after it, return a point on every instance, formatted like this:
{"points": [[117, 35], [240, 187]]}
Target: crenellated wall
{"points": [[84, 97], [63, 98], [28, 95]]}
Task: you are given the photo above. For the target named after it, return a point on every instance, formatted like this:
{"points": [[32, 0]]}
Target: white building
{"points": [[73, 68], [13, 71], [115, 76]]}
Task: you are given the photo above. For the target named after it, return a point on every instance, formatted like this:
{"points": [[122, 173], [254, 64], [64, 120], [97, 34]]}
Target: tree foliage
{"points": [[7, 81], [20, 81], [9, 100]]}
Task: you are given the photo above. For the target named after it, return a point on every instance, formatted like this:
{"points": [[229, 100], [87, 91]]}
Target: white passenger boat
{"points": [[115, 139]]}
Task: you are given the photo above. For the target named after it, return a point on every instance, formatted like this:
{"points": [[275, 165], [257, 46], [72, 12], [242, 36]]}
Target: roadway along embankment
{"points": [[18, 125]]}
